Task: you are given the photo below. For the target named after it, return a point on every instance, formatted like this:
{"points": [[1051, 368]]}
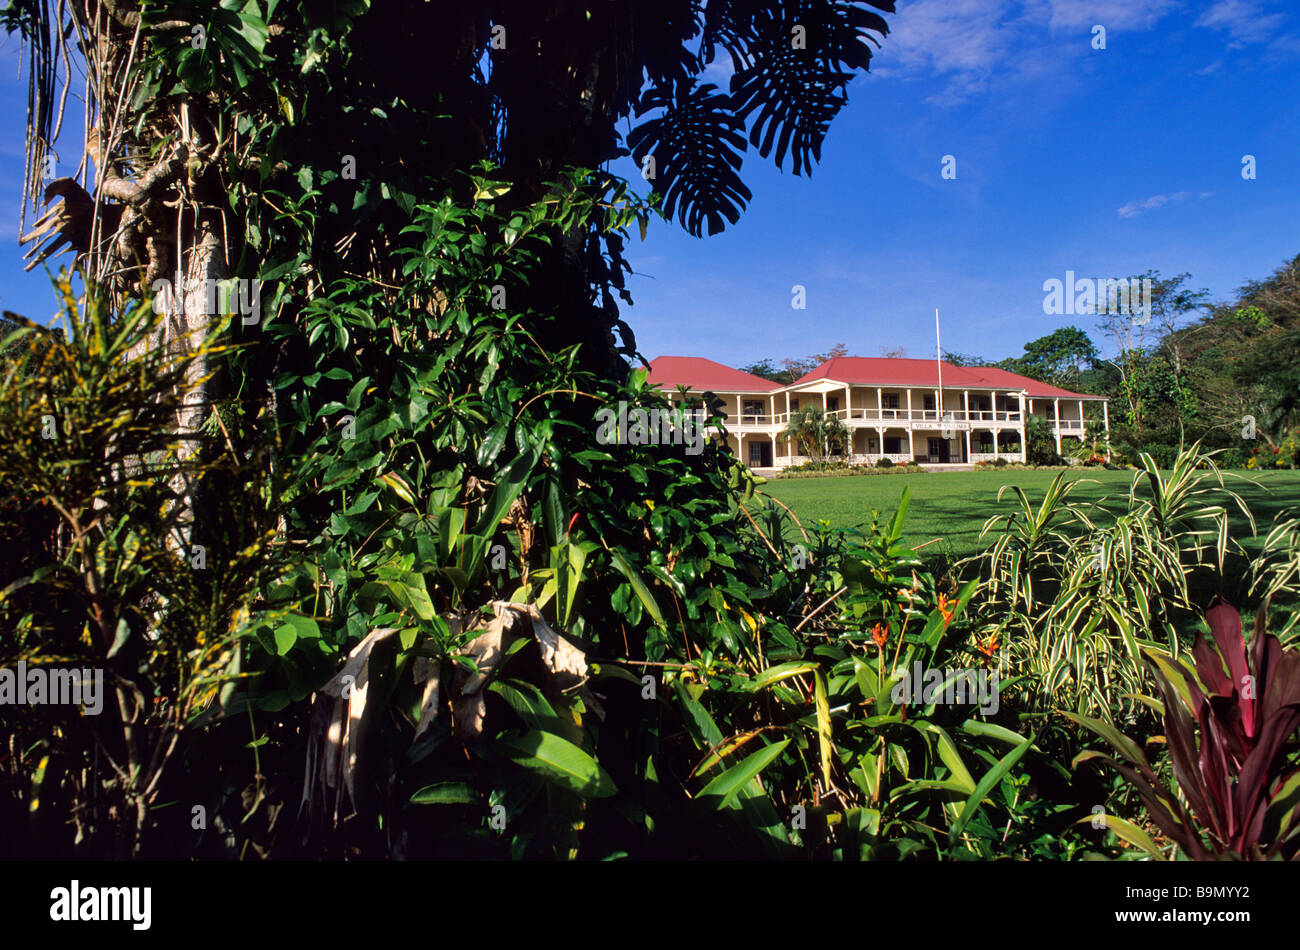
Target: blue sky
{"points": [[1104, 162]]}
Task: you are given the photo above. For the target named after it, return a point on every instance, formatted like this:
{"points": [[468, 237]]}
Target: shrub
{"points": [[825, 466], [1227, 721], [885, 462], [1079, 598], [1231, 458]]}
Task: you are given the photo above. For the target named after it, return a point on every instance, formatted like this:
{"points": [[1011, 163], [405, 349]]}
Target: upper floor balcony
{"points": [[898, 418]]}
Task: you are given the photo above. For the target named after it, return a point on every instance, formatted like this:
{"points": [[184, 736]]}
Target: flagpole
{"points": [[938, 356]]}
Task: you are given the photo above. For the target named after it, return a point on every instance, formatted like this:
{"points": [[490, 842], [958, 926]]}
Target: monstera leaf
{"points": [[792, 64], [695, 147], [796, 82]]}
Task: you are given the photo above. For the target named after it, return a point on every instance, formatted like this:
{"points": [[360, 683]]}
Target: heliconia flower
{"points": [[945, 608], [880, 633]]}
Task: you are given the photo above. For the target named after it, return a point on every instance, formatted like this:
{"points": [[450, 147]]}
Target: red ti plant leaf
{"points": [[1245, 720], [1225, 625], [1228, 741]]}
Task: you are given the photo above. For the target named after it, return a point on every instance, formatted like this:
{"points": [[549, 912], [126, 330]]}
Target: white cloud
{"points": [[1115, 15], [1135, 208], [970, 44], [963, 41], [1243, 20]]}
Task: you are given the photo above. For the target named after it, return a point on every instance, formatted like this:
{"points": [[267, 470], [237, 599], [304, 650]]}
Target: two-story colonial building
{"points": [[897, 408]]}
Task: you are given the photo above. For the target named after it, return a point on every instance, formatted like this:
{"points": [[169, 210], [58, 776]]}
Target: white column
{"points": [[996, 430], [911, 449], [1024, 428], [965, 397], [848, 404], [1083, 429], [909, 409], [880, 433], [880, 405], [1056, 412], [968, 442], [1105, 418]]}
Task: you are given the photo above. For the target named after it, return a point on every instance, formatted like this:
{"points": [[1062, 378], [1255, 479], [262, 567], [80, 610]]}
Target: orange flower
{"points": [[991, 647], [880, 633], [945, 608]]}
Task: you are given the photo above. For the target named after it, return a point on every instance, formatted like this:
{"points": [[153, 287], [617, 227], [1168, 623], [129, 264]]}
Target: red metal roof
{"points": [[884, 371], [1035, 388], [700, 374]]}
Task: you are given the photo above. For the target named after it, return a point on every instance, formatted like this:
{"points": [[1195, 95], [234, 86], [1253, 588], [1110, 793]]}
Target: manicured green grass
{"points": [[948, 509]]}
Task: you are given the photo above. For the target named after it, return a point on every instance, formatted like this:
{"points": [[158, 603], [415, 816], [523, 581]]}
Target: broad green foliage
{"points": [[389, 546], [816, 432], [650, 564]]}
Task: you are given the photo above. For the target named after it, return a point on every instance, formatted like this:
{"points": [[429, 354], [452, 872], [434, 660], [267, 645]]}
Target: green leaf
{"points": [[119, 640], [774, 674], [560, 762], [824, 725], [1128, 832], [285, 637], [990, 779], [638, 585], [528, 701], [445, 793], [510, 483], [896, 526], [490, 448], [727, 786], [492, 190], [951, 758]]}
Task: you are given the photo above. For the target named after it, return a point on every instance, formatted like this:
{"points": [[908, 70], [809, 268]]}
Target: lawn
{"points": [[948, 509]]}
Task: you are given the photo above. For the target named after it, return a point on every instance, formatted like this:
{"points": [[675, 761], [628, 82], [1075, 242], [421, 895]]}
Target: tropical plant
{"points": [[1078, 595], [1228, 722], [1275, 574], [856, 759], [816, 432], [1041, 441], [425, 351], [119, 581]]}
